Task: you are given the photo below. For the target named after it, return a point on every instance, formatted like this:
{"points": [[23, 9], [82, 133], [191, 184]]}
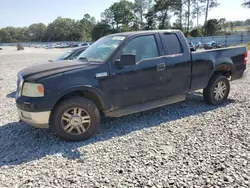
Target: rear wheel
{"points": [[217, 90], [75, 119]]}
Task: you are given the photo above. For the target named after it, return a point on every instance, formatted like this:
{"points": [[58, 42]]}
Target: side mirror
{"points": [[126, 60]]}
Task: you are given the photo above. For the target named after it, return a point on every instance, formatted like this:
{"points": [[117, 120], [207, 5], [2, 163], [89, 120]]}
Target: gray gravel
{"points": [[188, 144]]}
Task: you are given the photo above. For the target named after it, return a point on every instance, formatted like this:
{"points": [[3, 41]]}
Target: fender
{"points": [[104, 101], [225, 64]]}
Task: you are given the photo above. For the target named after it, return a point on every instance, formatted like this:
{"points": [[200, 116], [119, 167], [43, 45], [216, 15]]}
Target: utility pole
{"points": [[197, 7], [206, 15], [180, 6], [188, 15]]}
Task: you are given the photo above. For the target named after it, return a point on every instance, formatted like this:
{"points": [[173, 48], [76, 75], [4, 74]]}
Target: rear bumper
{"points": [[244, 75], [36, 119]]}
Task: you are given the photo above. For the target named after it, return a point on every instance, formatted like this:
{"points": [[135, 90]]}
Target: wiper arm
{"points": [[83, 59]]}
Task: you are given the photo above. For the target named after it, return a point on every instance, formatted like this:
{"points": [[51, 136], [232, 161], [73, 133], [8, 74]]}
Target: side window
{"points": [[74, 56], [173, 44], [143, 47]]}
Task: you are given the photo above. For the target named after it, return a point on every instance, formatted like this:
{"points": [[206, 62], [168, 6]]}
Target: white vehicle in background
{"points": [[84, 44], [49, 46]]}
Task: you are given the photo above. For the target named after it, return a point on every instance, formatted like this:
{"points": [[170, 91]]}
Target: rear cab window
{"points": [[174, 46]]}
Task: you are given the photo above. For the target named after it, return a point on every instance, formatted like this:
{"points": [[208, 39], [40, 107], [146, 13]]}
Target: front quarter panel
{"points": [[81, 80]]}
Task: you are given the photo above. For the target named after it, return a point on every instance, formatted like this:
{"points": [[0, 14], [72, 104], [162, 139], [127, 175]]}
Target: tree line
{"points": [[125, 16], [61, 29]]}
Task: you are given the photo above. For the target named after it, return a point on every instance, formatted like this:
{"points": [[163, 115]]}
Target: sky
{"points": [[19, 13]]}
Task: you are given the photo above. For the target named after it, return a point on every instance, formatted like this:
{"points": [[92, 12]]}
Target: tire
{"points": [[72, 107], [209, 93]]}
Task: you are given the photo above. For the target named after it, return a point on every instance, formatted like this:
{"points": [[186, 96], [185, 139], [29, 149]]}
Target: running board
{"points": [[145, 106]]}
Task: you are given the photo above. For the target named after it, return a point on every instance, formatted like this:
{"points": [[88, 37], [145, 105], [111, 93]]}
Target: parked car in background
{"points": [[74, 45], [84, 44], [71, 54], [192, 46], [111, 78], [65, 45], [20, 47], [49, 46]]}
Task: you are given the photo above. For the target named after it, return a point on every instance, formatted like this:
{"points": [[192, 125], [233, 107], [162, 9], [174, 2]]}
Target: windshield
{"points": [[101, 49], [64, 56]]}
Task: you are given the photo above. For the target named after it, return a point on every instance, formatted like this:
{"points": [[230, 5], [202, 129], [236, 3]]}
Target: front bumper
{"points": [[36, 119]]}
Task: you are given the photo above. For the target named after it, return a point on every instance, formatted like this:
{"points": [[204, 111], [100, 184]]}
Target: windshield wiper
{"points": [[83, 59]]}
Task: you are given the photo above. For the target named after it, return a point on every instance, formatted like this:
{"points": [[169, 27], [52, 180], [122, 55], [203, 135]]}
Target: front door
{"points": [[142, 82]]}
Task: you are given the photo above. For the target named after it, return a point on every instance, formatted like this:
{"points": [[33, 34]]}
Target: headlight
{"points": [[32, 90]]}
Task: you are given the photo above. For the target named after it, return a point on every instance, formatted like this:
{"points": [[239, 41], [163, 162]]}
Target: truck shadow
{"points": [[21, 143]]}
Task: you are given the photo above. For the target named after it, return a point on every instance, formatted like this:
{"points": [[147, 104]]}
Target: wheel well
{"points": [[87, 94], [225, 70]]}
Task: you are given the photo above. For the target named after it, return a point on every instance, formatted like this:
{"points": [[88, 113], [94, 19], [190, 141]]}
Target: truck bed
{"points": [[204, 63]]}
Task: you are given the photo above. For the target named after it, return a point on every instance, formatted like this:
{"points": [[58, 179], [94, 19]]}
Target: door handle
{"points": [[161, 66]]}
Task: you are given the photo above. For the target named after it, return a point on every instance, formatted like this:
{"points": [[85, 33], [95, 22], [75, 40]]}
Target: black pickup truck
{"points": [[122, 74]]}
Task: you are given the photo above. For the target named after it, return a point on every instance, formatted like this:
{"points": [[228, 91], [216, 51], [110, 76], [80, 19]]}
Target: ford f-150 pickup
{"points": [[121, 74]]}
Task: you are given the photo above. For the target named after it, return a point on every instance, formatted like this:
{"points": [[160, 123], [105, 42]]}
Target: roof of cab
{"points": [[127, 34]]}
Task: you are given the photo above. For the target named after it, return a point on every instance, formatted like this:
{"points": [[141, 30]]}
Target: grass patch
{"points": [[247, 45]]}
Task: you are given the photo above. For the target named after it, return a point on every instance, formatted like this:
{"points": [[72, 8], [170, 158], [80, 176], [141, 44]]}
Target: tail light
{"points": [[245, 58]]}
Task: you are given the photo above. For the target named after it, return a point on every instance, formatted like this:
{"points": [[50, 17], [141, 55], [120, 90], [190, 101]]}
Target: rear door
{"points": [[178, 64]]}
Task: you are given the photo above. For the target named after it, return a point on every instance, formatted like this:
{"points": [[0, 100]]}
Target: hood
{"points": [[42, 70]]}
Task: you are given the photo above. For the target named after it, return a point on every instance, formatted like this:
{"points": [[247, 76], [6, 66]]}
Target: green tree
{"points": [[209, 5], [187, 34], [150, 20], [196, 32], [101, 29], [188, 13], [5, 36], [198, 9], [119, 14], [35, 32], [86, 26], [224, 24], [162, 10], [11, 34], [247, 22], [108, 17], [123, 13], [177, 6], [231, 26], [20, 34], [64, 29], [246, 4], [212, 27], [140, 7]]}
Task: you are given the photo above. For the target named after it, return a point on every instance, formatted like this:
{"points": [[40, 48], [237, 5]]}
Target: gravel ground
{"points": [[188, 144]]}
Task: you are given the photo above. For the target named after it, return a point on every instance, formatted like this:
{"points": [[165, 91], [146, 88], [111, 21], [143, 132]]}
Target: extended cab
{"points": [[122, 74]]}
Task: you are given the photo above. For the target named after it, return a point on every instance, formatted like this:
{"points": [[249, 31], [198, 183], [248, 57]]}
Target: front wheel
{"points": [[217, 90], [75, 119]]}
